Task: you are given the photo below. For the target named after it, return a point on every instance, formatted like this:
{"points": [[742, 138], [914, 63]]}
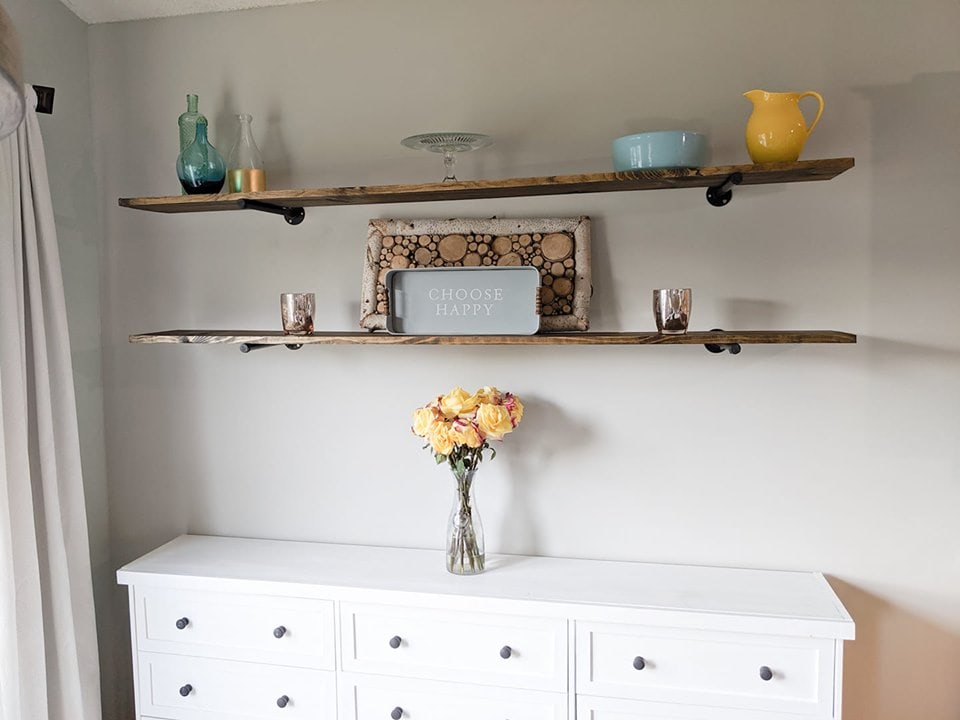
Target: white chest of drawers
{"points": [[233, 628]]}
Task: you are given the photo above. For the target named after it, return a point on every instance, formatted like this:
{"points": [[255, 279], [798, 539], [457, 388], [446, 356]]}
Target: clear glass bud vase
{"points": [[245, 171], [464, 530]]}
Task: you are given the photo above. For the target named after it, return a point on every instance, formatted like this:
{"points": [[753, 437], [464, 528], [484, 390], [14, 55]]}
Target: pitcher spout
{"points": [[754, 95]]}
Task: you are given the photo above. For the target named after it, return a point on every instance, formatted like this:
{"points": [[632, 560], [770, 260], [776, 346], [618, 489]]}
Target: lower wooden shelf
{"points": [[261, 338]]}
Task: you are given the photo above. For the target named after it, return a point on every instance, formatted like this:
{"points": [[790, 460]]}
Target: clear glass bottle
{"points": [[200, 167], [245, 164]]}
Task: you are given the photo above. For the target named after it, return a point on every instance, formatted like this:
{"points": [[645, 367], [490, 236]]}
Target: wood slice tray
{"points": [[558, 248]]}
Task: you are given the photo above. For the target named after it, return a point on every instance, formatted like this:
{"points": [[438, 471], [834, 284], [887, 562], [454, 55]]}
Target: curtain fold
{"points": [[49, 667]]}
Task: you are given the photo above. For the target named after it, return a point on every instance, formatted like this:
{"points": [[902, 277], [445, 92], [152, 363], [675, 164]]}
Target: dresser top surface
{"points": [[775, 594]]}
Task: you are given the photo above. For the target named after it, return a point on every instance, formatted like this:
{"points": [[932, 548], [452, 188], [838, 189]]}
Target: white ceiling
{"points": [[101, 11]]}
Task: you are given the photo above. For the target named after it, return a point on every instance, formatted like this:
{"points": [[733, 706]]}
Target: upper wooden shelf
{"points": [[714, 337], [719, 178]]}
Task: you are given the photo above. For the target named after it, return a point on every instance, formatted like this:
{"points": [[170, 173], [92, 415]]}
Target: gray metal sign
{"points": [[463, 301]]}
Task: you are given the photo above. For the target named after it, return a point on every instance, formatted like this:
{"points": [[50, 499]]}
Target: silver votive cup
{"points": [[671, 310], [296, 312]]}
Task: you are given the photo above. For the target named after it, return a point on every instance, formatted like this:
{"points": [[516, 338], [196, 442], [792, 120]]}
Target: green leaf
{"points": [[439, 458]]}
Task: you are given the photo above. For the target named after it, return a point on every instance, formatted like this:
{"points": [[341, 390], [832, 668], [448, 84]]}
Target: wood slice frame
{"points": [[414, 235]]}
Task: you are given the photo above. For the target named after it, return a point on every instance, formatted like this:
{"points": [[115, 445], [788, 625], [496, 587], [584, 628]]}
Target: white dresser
{"points": [[229, 628]]}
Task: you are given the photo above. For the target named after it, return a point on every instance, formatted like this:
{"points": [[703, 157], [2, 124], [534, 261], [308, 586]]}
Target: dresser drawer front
{"points": [[374, 698], [185, 688], [455, 646], [706, 668], [236, 626], [597, 708]]}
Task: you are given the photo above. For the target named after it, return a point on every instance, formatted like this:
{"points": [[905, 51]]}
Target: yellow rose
{"points": [[423, 420], [440, 438], [464, 432], [514, 407], [469, 407], [494, 420], [488, 394], [452, 403]]}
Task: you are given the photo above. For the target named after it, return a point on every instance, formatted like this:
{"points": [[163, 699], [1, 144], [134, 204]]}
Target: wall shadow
{"points": [[914, 213], [900, 666], [741, 313], [519, 532]]}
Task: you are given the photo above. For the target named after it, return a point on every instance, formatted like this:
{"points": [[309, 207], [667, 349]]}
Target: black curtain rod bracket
{"points": [[44, 99]]}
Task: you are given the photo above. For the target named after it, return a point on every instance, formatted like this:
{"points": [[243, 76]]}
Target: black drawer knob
{"points": [[282, 701], [766, 673], [506, 651], [395, 642], [639, 663], [396, 713], [186, 690], [279, 632], [182, 623]]}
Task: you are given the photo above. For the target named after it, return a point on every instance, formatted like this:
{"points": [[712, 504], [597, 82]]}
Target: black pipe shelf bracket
{"points": [[732, 348], [250, 347], [720, 195], [293, 215]]}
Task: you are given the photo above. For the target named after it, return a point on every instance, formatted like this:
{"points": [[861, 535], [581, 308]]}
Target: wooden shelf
{"points": [[260, 338], [803, 171]]}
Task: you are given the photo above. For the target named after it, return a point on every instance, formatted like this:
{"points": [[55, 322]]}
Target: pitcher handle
{"points": [[811, 93]]}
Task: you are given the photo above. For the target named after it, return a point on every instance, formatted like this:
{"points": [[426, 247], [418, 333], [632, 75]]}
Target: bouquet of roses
{"points": [[458, 426]]}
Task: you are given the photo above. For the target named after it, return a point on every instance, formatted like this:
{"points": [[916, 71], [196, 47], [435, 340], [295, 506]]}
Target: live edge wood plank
{"points": [[252, 337], [802, 171]]}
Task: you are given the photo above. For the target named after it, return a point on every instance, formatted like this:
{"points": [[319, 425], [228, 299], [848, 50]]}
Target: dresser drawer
{"points": [[379, 698], [505, 650], [597, 708], [185, 688], [256, 628], [707, 668]]}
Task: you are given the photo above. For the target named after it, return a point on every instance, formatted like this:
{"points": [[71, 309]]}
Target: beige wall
{"points": [[55, 53], [843, 459]]}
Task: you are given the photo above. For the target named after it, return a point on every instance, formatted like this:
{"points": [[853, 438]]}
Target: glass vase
{"points": [[464, 530], [245, 163], [187, 123], [200, 167]]}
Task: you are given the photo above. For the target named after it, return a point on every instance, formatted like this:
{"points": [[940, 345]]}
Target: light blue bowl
{"points": [[662, 149]]}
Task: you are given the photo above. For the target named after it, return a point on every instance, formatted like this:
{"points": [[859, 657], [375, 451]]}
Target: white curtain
{"points": [[49, 668]]}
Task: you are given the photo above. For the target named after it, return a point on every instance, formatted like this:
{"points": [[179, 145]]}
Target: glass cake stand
{"points": [[448, 143]]}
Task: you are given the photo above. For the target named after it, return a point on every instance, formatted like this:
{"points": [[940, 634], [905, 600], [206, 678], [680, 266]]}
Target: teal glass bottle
{"points": [[188, 124], [200, 166]]}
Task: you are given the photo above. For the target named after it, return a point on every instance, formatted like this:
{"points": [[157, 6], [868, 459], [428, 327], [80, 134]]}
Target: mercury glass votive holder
{"points": [[671, 310], [296, 312]]}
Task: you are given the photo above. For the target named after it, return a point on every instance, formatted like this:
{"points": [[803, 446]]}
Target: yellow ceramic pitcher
{"points": [[777, 130]]}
